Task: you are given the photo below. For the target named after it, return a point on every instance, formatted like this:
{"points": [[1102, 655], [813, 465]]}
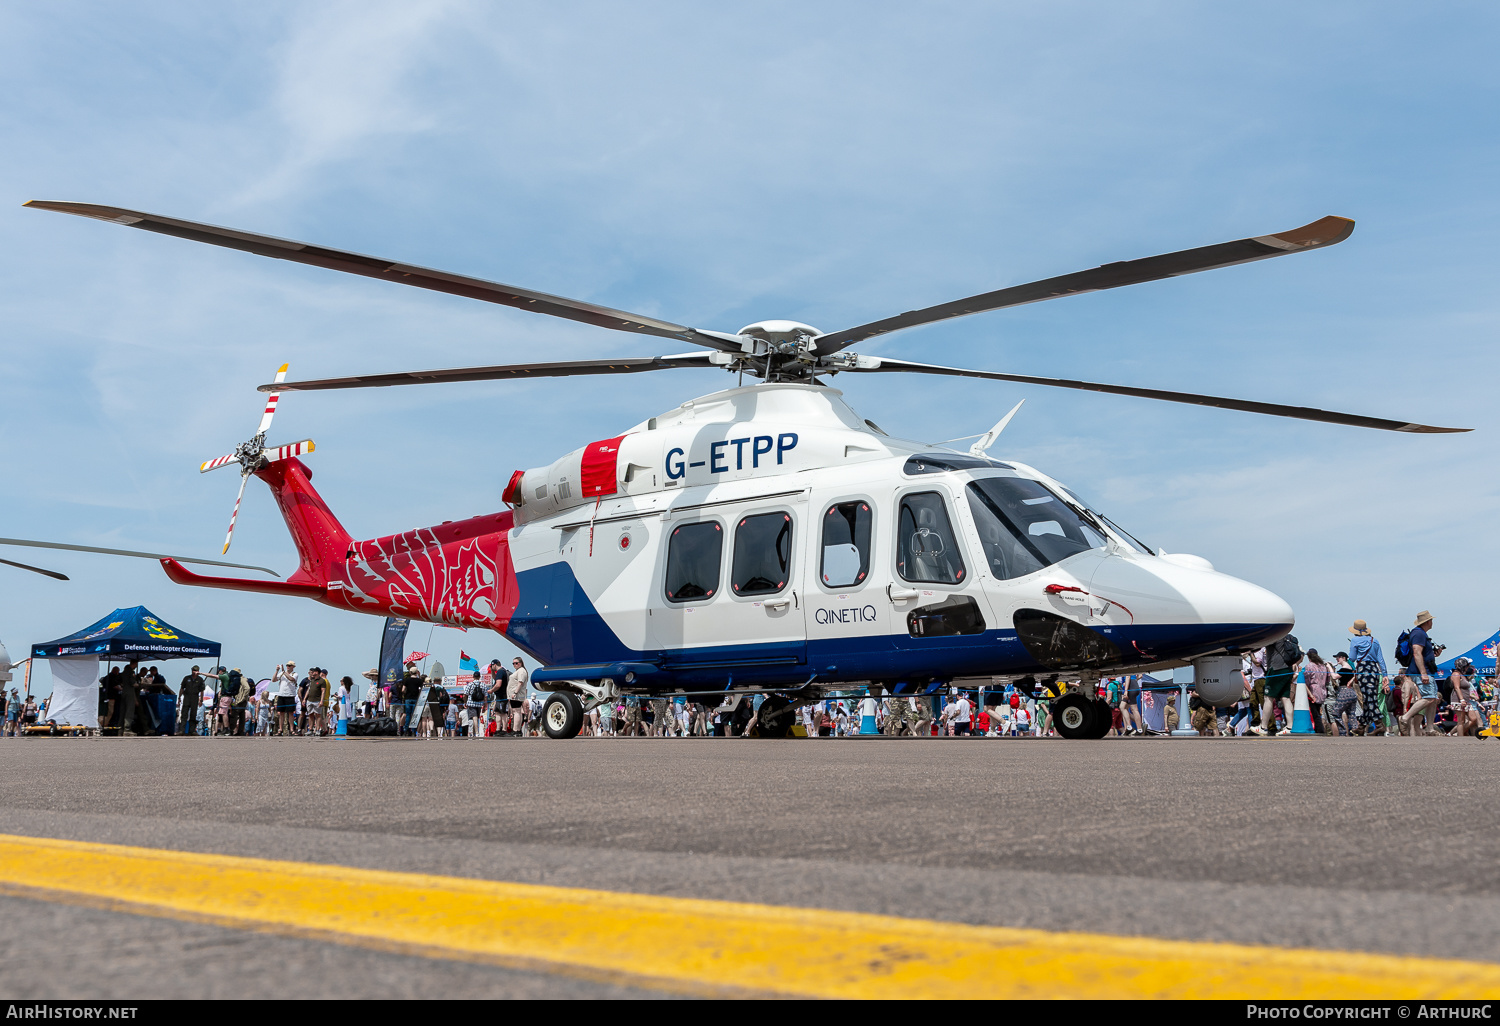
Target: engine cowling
{"points": [[1217, 679]]}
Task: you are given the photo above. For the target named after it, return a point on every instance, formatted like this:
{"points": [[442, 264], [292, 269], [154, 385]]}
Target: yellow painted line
{"points": [[700, 946]]}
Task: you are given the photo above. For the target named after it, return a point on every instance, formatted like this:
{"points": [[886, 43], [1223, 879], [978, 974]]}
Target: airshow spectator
{"points": [[516, 693], [1462, 701], [313, 699], [1369, 671], [113, 685], [1256, 668], [1130, 706], [13, 713], [1319, 679], [129, 691], [1340, 710], [411, 690], [1423, 665], [284, 680], [372, 693], [240, 689], [189, 694], [437, 704], [475, 708], [1282, 660]]}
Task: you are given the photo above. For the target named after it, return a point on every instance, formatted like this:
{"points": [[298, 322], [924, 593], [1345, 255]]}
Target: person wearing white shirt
{"points": [[962, 716], [517, 694], [284, 680]]}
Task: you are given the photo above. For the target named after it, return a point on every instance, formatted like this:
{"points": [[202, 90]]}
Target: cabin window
{"points": [[693, 558], [1023, 526], [927, 552], [846, 545], [762, 554]]}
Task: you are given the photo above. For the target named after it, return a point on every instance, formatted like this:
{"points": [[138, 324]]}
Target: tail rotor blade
{"points": [[235, 515], [215, 464], [281, 452], [265, 418]]}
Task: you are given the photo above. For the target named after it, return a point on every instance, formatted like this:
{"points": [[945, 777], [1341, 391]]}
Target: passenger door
{"points": [[730, 593]]}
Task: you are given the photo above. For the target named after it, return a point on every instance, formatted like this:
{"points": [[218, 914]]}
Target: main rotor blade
{"points": [[1246, 405], [1327, 231], [128, 552], [629, 365], [406, 274], [36, 570]]}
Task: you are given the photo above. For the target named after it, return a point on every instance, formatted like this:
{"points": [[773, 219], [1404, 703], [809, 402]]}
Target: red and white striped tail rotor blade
{"points": [[222, 461], [265, 418], [236, 514], [281, 452]]}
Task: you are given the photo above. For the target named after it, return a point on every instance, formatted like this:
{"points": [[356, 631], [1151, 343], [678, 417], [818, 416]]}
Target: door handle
{"points": [[781, 603], [901, 594]]}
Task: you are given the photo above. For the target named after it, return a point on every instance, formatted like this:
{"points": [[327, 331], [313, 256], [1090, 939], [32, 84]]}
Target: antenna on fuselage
{"points": [[987, 439]]}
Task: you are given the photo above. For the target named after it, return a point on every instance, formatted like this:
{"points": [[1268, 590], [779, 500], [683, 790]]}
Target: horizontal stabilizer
{"points": [[130, 552]]}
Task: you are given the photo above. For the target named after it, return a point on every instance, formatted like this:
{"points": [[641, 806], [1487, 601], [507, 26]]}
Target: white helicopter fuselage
{"points": [[768, 536]]}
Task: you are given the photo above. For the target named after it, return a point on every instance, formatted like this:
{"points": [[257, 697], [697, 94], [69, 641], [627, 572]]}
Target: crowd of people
{"points": [[1351, 693]]}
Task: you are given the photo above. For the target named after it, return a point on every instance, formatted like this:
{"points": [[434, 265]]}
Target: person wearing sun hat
{"points": [[1369, 671], [1424, 657]]}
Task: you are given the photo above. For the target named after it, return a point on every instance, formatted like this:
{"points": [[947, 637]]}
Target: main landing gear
{"points": [[1081, 719], [775, 717], [562, 716]]}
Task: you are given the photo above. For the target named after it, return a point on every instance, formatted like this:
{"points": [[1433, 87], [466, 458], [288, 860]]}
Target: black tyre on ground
{"points": [[1103, 718], [1073, 716], [562, 716], [775, 718]]}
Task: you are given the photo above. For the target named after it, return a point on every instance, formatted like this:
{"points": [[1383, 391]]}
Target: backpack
{"points": [[1403, 649], [476, 693]]}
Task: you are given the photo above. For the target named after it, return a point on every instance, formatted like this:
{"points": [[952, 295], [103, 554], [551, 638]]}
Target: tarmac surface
{"points": [[1382, 845]]}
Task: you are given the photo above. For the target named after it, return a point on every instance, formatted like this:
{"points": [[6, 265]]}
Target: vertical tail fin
{"points": [[322, 543]]}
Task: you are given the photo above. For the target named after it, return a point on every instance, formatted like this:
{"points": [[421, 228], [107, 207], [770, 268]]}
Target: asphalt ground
{"points": [[1385, 845]]}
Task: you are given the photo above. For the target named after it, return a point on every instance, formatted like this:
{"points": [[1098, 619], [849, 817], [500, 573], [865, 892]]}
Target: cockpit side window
{"points": [[846, 545], [926, 550], [1023, 526]]}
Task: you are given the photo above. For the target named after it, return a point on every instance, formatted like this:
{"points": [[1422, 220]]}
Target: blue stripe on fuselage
{"points": [[557, 624]]}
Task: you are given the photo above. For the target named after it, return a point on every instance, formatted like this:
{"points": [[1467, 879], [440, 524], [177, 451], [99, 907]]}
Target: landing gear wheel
{"points": [[1074, 716], [562, 716], [775, 718], [1103, 719]]}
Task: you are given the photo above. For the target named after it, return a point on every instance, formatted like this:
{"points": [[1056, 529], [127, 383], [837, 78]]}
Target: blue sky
{"points": [[831, 163]]}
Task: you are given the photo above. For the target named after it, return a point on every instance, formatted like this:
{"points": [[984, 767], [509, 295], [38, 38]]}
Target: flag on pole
{"points": [[466, 663]]}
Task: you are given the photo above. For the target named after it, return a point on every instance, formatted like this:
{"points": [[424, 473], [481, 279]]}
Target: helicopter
{"points": [[767, 539]]}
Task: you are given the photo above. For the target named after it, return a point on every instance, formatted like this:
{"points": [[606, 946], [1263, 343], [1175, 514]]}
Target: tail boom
{"points": [[458, 573]]}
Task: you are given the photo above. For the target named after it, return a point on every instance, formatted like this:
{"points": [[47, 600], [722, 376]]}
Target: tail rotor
{"points": [[254, 454]]}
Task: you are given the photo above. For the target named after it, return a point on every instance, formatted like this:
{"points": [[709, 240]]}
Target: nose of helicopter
{"points": [[1220, 598], [1197, 607]]}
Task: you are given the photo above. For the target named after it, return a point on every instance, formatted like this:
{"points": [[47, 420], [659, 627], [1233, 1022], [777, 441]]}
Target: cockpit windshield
{"points": [[1024, 526], [1128, 539]]}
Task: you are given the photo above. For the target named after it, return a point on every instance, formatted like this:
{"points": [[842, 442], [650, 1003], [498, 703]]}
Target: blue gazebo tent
{"points": [[134, 633], [1481, 655]]}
